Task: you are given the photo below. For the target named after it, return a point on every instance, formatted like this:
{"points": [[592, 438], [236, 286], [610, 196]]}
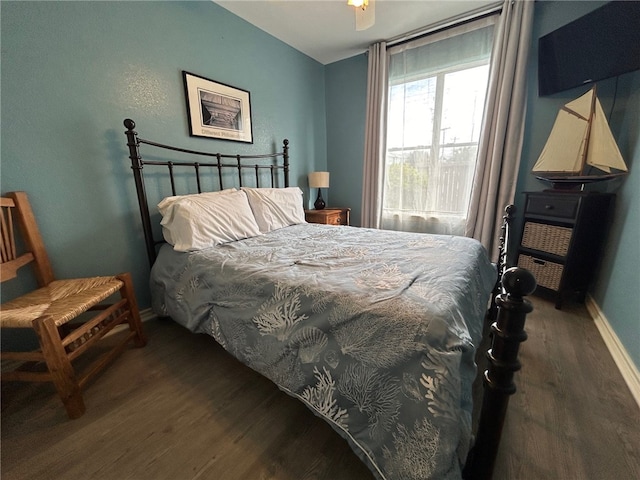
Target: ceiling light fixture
{"points": [[365, 13], [358, 3]]}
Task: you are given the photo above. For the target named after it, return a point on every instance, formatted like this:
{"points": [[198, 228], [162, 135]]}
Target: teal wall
{"points": [[73, 71], [346, 92], [618, 286]]}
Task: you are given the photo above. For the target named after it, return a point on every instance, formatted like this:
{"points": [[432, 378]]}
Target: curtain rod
{"points": [[449, 22]]}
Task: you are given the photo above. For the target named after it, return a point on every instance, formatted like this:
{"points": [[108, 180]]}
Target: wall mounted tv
{"points": [[602, 44]]}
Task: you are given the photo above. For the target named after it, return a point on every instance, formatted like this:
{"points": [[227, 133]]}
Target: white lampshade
{"points": [[319, 180]]}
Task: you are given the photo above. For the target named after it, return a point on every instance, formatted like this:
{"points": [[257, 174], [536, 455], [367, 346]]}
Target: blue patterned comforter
{"points": [[375, 331]]}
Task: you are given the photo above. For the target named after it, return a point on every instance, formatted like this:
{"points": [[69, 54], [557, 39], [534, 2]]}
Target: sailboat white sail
{"points": [[580, 147]]}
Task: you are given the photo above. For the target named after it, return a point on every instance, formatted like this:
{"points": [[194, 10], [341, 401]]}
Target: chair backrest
{"points": [[16, 210]]}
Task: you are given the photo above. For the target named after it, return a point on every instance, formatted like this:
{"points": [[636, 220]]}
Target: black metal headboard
{"points": [[276, 164]]}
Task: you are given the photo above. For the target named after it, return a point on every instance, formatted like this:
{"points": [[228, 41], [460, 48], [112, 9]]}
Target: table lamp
{"points": [[319, 180]]}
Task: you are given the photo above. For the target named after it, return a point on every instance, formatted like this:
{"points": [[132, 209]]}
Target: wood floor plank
{"points": [[183, 409]]}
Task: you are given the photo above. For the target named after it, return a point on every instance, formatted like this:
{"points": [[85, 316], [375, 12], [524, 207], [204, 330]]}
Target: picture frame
{"points": [[217, 110]]}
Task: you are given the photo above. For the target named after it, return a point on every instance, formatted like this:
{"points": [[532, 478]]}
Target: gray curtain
{"points": [[501, 139], [374, 135]]}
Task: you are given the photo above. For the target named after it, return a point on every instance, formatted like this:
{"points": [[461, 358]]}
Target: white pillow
{"points": [[165, 202], [194, 222], [275, 208]]}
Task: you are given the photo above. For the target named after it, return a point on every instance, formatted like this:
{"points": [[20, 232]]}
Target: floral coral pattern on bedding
{"points": [[375, 331]]}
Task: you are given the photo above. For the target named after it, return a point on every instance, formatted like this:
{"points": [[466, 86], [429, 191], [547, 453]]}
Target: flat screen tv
{"points": [[601, 44]]}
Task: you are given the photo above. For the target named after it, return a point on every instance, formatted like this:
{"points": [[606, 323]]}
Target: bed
{"points": [[374, 331]]}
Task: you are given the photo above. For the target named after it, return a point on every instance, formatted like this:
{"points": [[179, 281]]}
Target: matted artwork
{"points": [[217, 110]]}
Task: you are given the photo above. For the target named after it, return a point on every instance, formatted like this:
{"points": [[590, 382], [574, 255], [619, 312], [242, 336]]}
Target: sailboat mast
{"points": [[587, 137]]}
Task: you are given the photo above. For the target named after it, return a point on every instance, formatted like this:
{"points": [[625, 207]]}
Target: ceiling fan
{"points": [[365, 11]]}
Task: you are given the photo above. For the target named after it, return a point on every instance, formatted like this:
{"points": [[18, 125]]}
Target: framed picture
{"points": [[217, 110]]}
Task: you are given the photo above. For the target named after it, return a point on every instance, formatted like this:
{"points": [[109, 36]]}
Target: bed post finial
{"points": [[136, 165], [508, 333]]}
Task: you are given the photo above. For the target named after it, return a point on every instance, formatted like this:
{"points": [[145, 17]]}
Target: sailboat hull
{"points": [[562, 181]]}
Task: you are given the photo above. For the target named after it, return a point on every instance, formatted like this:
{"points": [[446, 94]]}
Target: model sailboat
{"points": [[581, 148]]}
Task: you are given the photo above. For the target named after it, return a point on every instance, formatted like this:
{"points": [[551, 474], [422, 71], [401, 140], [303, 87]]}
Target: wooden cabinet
{"points": [[328, 216], [563, 235]]}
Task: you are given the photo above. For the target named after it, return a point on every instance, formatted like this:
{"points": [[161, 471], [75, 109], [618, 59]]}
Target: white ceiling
{"points": [[325, 29]]}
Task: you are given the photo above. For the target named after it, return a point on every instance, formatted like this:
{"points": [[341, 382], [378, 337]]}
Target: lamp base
{"points": [[319, 203]]}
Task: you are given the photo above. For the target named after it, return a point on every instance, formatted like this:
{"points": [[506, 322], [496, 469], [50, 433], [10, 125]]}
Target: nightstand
{"points": [[328, 216], [563, 235]]}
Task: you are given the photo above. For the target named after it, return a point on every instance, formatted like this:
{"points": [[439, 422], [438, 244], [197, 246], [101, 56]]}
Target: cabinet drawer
{"points": [[329, 216], [556, 206], [334, 219], [547, 238], [548, 274]]}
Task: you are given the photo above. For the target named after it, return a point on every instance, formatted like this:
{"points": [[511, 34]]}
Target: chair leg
{"points": [[135, 323], [60, 368]]}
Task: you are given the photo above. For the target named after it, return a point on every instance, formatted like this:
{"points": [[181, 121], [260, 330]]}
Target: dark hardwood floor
{"points": [[182, 408]]}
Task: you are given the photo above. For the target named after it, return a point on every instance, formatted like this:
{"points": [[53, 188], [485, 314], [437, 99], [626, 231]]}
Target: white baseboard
{"points": [[147, 314], [626, 366]]}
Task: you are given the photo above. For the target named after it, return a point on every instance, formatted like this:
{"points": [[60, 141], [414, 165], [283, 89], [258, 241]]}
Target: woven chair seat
{"points": [[63, 300]]}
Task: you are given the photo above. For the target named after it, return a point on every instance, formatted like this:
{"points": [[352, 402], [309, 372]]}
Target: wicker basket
{"points": [[546, 238], [548, 274]]}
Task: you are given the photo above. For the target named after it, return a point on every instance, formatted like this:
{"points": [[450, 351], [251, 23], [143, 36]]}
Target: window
{"points": [[436, 97]]}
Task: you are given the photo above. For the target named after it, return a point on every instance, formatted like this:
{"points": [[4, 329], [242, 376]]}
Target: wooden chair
{"points": [[57, 311]]}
